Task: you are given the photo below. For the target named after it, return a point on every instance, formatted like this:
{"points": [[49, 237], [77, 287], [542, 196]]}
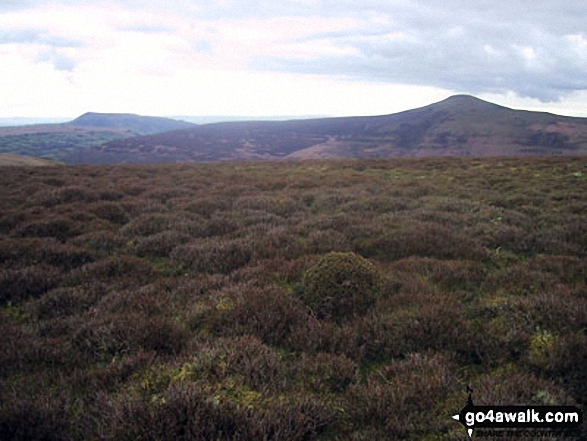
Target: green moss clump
{"points": [[340, 285]]}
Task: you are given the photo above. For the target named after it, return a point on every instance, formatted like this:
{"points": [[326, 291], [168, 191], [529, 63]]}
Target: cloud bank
{"points": [[535, 49]]}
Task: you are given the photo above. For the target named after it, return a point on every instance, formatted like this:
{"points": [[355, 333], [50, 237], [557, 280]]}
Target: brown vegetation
{"points": [[292, 301]]}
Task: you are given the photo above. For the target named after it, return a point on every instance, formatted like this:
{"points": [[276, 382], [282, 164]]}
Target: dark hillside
{"points": [[55, 141], [458, 126]]}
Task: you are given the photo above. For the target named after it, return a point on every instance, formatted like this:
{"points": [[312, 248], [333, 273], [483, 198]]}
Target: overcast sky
{"points": [[289, 57]]}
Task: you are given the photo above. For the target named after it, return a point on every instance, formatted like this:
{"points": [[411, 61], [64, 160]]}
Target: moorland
{"points": [[195, 301], [56, 141], [460, 125]]}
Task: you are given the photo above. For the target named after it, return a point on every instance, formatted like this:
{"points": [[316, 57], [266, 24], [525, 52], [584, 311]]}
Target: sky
{"points": [[258, 58]]}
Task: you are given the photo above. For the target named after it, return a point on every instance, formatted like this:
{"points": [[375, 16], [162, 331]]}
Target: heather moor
{"points": [[314, 300]]}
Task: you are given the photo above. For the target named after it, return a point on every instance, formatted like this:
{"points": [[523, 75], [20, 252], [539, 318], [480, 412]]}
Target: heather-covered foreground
{"points": [[349, 300]]}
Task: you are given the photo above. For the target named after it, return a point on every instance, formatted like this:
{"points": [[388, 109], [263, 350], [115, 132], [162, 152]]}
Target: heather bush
{"points": [[436, 323], [110, 211], [163, 336], [568, 235], [54, 181], [562, 358], [102, 241], [425, 240], [185, 290], [520, 279], [377, 204], [245, 360], [398, 399], [64, 195], [61, 228], [277, 270], [101, 338], [107, 378], [30, 251], [222, 223], [562, 269], [185, 412], [17, 285], [502, 329], [326, 241], [314, 336], [254, 218], [511, 387], [278, 242], [340, 285], [160, 244], [111, 195], [14, 340], [149, 224], [136, 207], [43, 419], [39, 350], [437, 217], [206, 206], [163, 195], [269, 313], [447, 274], [559, 308], [326, 372], [116, 270], [250, 202], [64, 301], [514, 239], [214, 255], [12, 219], [330, 202]]}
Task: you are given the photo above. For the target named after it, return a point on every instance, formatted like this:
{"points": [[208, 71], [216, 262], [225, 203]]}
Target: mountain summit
{"points": [[459, 125], [142, 125]]}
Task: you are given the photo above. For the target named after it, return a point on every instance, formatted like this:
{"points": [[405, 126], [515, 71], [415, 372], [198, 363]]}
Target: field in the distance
{"points": [[7, 159], [188, 302]]}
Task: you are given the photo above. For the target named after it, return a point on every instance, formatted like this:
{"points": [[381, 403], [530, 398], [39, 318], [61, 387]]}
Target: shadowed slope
{"points": [[458, 126]]}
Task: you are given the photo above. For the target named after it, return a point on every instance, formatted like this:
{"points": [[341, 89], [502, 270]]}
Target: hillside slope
{"points": [[458, 126], [7, 159], [91, 129]]}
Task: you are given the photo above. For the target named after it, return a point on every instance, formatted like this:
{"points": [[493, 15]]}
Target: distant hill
{"points": [[142, 125], [91, 129], [461, 125], [17, 160]]}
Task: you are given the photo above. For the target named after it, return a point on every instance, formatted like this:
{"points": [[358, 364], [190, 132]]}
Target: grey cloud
{"points": [[148, 29], [466, 46], [37, 36], [52, 54], [473, 47], [59, 61], [202, 46], [16, 5]]}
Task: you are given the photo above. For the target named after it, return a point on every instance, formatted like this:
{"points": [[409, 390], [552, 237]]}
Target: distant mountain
{"points": [[91, 129], [142, 125], [460, 125]]}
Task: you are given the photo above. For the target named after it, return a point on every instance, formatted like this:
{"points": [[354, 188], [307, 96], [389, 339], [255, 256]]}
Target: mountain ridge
{"points": [[54, 141], [143, 125], [461, 125]]}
